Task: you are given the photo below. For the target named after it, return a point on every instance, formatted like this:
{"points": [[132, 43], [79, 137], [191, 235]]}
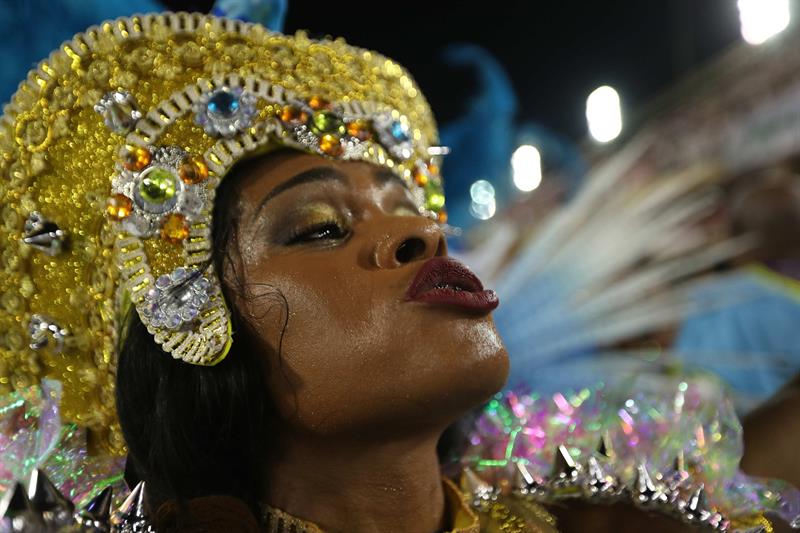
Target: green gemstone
{"points": [[434, 197], [158, 186], [327, 122]]}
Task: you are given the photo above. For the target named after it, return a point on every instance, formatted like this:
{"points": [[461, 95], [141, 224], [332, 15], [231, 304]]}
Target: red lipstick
{"points": [[445, 281]]}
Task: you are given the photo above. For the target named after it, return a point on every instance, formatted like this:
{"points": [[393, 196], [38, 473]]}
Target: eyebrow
{"points": [[384, 176], [307, 176]]}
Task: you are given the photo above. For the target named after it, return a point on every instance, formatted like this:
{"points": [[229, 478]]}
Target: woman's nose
{"points": [[409, 239]]}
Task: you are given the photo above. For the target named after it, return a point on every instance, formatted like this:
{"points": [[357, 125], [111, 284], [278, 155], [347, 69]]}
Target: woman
{"points": [[240, 229], [328, 252], [348, 362]]}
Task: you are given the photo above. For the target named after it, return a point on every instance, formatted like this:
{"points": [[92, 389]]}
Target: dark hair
{"points": [[191, 430]]}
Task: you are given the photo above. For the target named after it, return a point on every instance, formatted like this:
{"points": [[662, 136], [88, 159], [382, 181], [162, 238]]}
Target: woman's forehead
{"points": [[275, 172]]}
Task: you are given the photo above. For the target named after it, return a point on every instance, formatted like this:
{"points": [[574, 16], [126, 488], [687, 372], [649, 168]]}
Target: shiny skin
{"points": [[354, 353]]}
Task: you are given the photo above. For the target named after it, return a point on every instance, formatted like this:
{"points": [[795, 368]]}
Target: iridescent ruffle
{"points": [[684, 434], [32, 436]]}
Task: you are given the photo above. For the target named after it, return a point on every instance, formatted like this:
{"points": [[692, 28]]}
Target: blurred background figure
{"points": [[754, 344]]}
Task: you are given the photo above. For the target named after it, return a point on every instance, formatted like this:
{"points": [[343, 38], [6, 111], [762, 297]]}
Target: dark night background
{"points": [[556, 53]]}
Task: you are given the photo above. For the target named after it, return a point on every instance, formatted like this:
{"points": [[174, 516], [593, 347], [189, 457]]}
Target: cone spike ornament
{"points": [[599, 482], [696, 509], [565, 468], [524, 481], [131, 516], [44, 235], [472, 484], [15, 501], [646, 490], [94, 517], [46, 500], [16, 512], [604, 447]]}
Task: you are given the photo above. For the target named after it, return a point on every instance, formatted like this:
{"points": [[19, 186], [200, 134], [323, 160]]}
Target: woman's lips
{"points": [[445, 281]]}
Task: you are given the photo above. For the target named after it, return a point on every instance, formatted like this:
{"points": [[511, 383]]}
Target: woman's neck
{"points": [[360, 485]]}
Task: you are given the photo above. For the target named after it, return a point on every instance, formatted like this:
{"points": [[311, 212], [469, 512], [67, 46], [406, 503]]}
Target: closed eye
{"points": [[323, 231]]}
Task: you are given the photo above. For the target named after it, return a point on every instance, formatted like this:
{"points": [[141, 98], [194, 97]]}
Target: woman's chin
{"points": [[477, 368]]}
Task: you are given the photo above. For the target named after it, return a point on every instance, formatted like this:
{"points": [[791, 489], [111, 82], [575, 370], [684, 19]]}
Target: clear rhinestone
{"points": [[191, 203], [189, 313], [138, 225], [173, 321], [178, 275]]}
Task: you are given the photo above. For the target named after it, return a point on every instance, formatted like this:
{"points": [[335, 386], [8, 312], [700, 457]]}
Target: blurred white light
{"points": [[482, 192], [438, 150], [526, 164], [483, 211], [762, 19], [604, 114]]}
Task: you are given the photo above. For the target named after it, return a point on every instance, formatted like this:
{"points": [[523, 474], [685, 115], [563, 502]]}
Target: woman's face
{"points": [[341, 242]]}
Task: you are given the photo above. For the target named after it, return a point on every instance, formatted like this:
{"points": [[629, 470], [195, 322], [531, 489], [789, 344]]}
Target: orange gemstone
{"points": [[442, 217], [135, 157], [119, 207], [420, 177], [193, 170], [433, 169], [175, 228], [293, 114], [359, 129], [330, 145], [317, 102]]}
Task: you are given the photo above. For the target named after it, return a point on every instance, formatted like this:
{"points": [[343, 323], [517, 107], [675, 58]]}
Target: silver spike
{"points": [[695, 510], [44, 235], [599, 482], [15, 501], [524, 482], [565, 470], [604, 447], [480, 490], [17, 513], [55, 510], [94, 518], [131, 516], [42, 330], [119, 110], [646, 490]]}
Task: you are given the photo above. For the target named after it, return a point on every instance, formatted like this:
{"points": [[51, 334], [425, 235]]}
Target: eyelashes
{"points": [[324, 231], [323, 225]]}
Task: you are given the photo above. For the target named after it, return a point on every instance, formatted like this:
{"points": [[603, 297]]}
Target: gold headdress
{"points": [[111, 153]]}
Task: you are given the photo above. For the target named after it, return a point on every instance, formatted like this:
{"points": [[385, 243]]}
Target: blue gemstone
{"points": [[223, 103], [399, 131]]}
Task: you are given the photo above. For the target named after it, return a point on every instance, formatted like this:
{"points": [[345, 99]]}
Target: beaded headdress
{"points": [[111, 153]]}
